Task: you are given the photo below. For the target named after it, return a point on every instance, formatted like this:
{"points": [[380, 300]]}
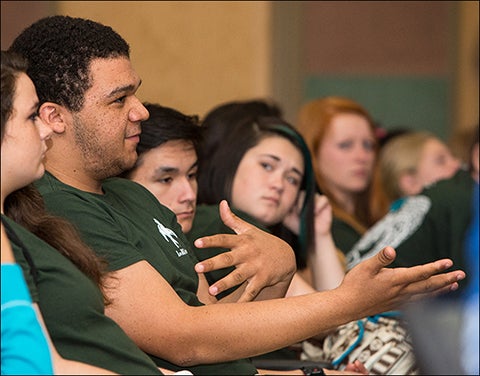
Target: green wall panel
{"points": [[413, 102]]}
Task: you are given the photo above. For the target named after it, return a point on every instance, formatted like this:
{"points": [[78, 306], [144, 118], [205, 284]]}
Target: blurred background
{"points": [[412, 64]]}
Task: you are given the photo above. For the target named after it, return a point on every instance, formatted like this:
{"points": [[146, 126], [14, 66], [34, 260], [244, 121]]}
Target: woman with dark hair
{"points": [[270, 189]]}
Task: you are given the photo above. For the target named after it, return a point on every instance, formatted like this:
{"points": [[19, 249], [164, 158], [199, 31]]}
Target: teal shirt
{"points": [[25, 350], [127, 224], [73, 309]]}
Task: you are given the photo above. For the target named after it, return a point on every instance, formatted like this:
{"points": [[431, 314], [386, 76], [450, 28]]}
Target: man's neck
{"points": [[76, 179]]}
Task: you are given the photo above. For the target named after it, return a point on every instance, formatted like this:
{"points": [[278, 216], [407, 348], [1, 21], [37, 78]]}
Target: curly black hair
{"points": [[59, 50]]}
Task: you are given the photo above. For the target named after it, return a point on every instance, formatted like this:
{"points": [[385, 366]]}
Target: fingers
{"points": [[250, 293], [437, 284], [233, 279], [223, 260], [231, 220], [424, 275], [236, 278], [382, 259], [227, 241]]}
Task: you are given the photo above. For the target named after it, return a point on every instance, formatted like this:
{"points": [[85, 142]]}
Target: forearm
{"points": [[224, 332], [279, 290], [326, 267]]}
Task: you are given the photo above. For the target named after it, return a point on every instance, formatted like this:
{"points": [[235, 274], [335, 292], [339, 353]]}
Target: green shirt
{"points": [[344, 235], [127, 224], [73, 309], [425, 227]]}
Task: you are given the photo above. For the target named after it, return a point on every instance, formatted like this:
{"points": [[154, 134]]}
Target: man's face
{"points": [[169, 171], [107, 128]]}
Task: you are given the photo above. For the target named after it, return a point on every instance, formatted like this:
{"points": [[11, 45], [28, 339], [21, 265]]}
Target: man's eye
{"points": [[121, 99]]}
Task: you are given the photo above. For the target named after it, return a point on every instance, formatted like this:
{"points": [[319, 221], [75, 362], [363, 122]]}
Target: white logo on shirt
{"points": [[170, 236]]}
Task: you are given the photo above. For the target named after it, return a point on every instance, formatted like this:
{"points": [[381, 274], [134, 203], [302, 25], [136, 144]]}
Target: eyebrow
{"points": [[294, 169], [168, 169], [123, 89]]}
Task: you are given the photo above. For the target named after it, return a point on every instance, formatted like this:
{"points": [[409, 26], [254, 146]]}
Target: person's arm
{"points": [[150, 311], [324, 262], [25, 349], [325, 269]]}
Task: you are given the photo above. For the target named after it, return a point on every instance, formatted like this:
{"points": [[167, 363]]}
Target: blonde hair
{"points": [[314, 120], [400, 156]]}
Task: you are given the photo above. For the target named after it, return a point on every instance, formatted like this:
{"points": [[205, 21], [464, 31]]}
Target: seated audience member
{"points": [[63, 275], [411, 162], [453, 348], [156, 295], [341, 136], [218, 124], [426, 226]]}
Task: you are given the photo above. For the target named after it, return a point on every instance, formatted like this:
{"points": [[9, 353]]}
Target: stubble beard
{"points": [[97, 155]]}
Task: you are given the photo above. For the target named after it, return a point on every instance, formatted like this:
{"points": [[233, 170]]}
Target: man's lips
{"points": [[134, 138]]}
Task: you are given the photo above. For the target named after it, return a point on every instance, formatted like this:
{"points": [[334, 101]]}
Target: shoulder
{"points": [[207, 221], [452, 195]]}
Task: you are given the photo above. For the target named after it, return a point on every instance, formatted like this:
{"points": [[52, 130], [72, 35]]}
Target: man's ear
{"points": [[53, 115]]}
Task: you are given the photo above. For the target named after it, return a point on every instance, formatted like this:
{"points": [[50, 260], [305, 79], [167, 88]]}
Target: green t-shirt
{"points": [[127, 224], [344, 235], [425, 227], [73, 309]]}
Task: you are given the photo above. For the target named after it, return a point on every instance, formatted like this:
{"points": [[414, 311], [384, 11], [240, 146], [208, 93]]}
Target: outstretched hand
{"points": [[381, 289], [259, 258]]}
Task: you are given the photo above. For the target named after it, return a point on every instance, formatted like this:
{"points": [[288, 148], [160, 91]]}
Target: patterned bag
{"points": [[380, 342]]}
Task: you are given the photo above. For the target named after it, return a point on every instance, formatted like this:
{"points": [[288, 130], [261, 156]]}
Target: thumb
{"points": [[231, 220], [385, 257]]}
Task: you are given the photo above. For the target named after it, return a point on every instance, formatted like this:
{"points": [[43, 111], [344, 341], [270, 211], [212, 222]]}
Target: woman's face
{"points": [[23, 146], [436, 163], [346, 155], [268, 180]]}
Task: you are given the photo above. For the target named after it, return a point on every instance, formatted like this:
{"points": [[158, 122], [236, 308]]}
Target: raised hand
{"points": [[388, 288], [261, 259]]}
